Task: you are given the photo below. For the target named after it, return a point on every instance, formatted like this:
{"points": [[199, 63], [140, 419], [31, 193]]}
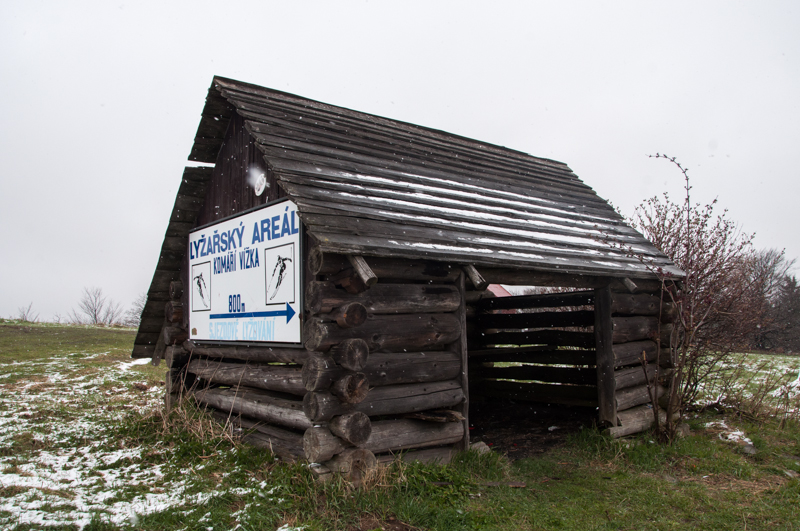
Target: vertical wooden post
{"points": [[603, 332], [460, 347]]}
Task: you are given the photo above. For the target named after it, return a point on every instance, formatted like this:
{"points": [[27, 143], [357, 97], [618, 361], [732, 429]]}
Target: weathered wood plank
{"points": [[394, 368], [568, 375], [389, 400], [545, 355], [385, 332], [257, 404], [270, 377], [554, 338], [571, 395], [255, 353], [545, 300], [323, 297], [536, 320], [603, 335], [628, 329], [321, 263]]}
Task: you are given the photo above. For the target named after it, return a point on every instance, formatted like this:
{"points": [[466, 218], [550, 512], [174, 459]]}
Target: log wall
{"points": [[383, 368]]}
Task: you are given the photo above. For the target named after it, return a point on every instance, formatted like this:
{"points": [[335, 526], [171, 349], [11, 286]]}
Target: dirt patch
{"points": [[525, 429]]}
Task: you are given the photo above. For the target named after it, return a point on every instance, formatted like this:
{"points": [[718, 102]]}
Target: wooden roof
{"points": [[375, 186]]}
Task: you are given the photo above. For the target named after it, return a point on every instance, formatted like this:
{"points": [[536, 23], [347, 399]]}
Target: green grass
{"points": [[83, 444]]}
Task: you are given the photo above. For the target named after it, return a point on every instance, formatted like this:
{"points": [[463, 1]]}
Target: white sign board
{"points": [[244, 275]]}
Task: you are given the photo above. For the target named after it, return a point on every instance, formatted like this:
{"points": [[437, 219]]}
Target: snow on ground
{"points": [[58, 466]]}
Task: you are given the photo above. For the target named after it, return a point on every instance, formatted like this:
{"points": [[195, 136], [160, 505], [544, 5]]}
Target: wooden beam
{"points": [[603, 333], [459, 347], [475, 277], [362, 269]]}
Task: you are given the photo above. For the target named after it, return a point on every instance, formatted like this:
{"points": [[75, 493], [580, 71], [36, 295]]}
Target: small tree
{"points": [[96, 309], [718, 307], [26, 314]]}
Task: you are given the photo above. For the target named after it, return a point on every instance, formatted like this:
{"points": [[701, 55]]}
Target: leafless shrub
{"points": [[27, 315], [133, 316], [96, 309]]}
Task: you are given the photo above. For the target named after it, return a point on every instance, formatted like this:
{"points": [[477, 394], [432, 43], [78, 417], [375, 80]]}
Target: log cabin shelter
{"points": [[324, 278]]}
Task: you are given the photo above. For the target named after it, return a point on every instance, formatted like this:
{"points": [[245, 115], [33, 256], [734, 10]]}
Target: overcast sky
{"points": [[101, 101]]}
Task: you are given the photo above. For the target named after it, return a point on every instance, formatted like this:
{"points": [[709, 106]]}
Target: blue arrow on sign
{"points": [[288, 312]]}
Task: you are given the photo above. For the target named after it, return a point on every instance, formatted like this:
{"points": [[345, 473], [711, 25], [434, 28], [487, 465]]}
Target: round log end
{"points": [[317, 373], [312, 407], [351, 388], [319, 445], [354, 428], [314, 335], [351, 315], [352, 354], [354, 463]]}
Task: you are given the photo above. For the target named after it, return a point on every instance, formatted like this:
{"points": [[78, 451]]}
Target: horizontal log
{"points": [[472, 297], [527, 277], [536, 320], [544, 300], [324, 297], [631, 353], [320, 263], [412, 367], [270, 377], [320, 445], [402, 434], [175, 357], [542, 355], [571, 395], [387, 369], [635, 420], [351, 354], [349, 315], [255, 354], [634, 376], [642, 304], [636, 396], [390, 400], [568, 375], [173, 312], [384, 332], [355, 428], [257, 404], [556, 338], [627, 329], [281, 442], [351, 388], [174, 335]]}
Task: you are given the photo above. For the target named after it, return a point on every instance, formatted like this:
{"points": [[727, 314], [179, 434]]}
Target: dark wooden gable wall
{"points": [[229, 192]]}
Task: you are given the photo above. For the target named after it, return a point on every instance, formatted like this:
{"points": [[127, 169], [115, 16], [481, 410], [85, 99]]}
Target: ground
{"points": [[520, 430], [84, 445]]}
